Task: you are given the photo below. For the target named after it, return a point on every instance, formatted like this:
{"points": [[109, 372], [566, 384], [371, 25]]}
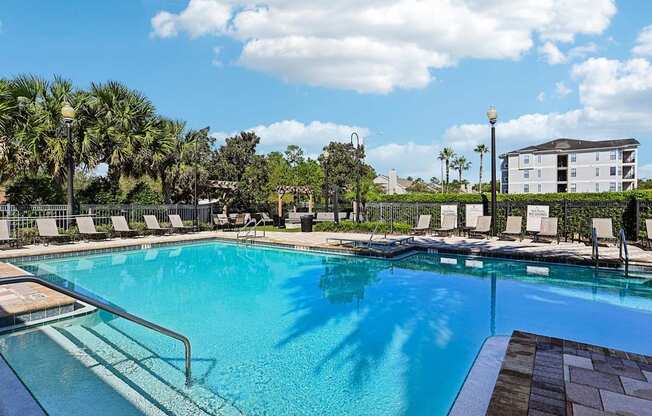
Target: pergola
{"points": [[225, 187], [294, 189]]}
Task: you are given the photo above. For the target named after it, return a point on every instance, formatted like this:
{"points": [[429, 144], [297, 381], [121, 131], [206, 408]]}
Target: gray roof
{"points": [[561, 145]]}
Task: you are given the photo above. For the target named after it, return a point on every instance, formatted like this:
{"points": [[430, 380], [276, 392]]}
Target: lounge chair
{"points": [[87, 229], [177, 224], [423, 225], [548, 230], [48, 231], [648, 231], [325, 217], [5, 238], [152, 225], [448, 225], [221, 221], [513, 229], [121, 227], [240, 221], [295, 217], [483, 227], [265, 219], [604, 230]]}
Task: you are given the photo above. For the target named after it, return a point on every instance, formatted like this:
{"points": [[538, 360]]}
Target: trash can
{"points": [[306, 223]]}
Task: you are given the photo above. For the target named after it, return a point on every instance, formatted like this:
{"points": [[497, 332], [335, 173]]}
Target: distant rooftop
{"points": [[562, 145]]}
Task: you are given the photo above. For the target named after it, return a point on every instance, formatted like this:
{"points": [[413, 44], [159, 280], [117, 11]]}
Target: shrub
{"points": [[363, 227], [35, 190]]}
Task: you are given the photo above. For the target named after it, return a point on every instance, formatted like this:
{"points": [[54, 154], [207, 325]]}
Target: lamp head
{"points": [[67, 112], [492, 114]]}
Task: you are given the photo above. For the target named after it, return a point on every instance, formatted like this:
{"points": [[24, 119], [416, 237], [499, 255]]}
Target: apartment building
{"points": [[569, 165]]}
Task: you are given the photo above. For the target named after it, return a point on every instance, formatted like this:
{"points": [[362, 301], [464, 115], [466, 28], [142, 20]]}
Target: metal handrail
{"points": [[246, 228], [596, 251], [114, 311], [622, 246]]}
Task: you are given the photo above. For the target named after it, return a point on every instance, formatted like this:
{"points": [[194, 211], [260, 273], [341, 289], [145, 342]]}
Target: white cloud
{"points": [[552, 54], [582, 51], [541, 97], [644, 42], [561, 89], [380, 45], [409, 159], [615, 97]]}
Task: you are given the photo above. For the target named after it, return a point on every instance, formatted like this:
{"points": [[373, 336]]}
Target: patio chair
{"points": [[48, 231], [177, 224], [240, 221], [548, 230], [294, 217], [604, 230], [448, 226], [482, 228], [513, 229], [152, 225], [5, 238], [221, 221], [423, 225], [265, 219], [121, 227], [325, 217], [87, 229]]}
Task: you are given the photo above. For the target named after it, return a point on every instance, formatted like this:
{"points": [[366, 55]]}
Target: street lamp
{"points": [[195, 196], [358, 147], [492, 115], [68, 115]]}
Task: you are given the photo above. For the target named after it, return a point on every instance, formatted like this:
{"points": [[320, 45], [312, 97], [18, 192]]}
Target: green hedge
{"points": [[363, 227]]}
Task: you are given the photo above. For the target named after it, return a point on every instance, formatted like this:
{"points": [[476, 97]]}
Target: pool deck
{"points": [[544, 376]]}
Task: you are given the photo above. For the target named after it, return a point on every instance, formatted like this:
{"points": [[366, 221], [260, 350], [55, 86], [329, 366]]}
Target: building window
{"points": [[620, 186], [539, 159], [573, 157], [620, 171], [612, 171], [526, 188], [526, 160], [612, 187], [526, 174], [597, 156], [573, 172], [597, 187], [539, 173], [539, 188], [612, 155], [597, 171], [573, 187]]}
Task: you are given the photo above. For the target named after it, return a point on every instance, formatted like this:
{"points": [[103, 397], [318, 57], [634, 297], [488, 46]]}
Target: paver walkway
{"points": [[544, 376]]}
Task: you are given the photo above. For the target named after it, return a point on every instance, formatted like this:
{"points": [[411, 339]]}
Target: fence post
{"points": [[566, 220], [638, 218]]}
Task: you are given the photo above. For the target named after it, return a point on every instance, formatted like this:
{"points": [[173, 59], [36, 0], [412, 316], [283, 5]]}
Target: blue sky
{"points": [[410, 76]]}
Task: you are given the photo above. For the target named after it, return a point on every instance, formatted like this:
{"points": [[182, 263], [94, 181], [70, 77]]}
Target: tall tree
{"points": [[460, 164], [447, 154], [481, 149]]}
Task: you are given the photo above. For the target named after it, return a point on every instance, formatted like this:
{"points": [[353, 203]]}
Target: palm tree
{"points": [[441, 165], [447, 154], [460, 164], [481, 149]]}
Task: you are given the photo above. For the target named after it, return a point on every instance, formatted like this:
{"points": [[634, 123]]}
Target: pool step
{"points": [[153, 378]]}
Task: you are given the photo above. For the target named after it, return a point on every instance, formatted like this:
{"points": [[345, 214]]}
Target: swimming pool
{"points": [[279, 332]]}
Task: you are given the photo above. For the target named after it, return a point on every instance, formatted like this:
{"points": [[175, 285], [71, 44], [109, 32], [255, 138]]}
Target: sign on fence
{"points": [[534, 215], [448, 210], [473, 211]]}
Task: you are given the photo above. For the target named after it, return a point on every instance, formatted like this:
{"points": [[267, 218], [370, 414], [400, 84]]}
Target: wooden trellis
{"points": [[294, 189]]}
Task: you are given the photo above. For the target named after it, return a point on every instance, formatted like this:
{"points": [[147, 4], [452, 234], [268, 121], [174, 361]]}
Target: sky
{"points": [[410, 76]]}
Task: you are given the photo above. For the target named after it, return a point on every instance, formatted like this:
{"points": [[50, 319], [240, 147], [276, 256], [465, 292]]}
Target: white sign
{"points": [[473, 211], [449, 210], [534, 215]]}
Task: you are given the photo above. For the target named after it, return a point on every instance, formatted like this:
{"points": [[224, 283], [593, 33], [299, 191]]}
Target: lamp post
{"points": [[195, 200], [492, 115], [358, 147], [326, 185], [68, 115]]}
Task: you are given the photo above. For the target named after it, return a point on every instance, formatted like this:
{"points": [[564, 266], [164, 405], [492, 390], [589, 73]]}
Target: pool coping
{"points": [[416, 248]]}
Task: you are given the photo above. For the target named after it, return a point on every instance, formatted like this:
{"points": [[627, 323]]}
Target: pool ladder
{"points": [[245, 233], [126, 315]]}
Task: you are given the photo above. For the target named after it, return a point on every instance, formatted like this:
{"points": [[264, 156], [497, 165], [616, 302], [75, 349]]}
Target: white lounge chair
{"points": [[152, 225], [86, 228], [483, 227], [548, 230], [513, 228], [648, 233], [221, 221], [423, 225], [48, 231], [604, 230], [5, 237], [448, 225], [121, 227], [177, 224]]}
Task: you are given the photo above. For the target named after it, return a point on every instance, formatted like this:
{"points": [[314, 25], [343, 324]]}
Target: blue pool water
{"points": [[278, 332]]}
